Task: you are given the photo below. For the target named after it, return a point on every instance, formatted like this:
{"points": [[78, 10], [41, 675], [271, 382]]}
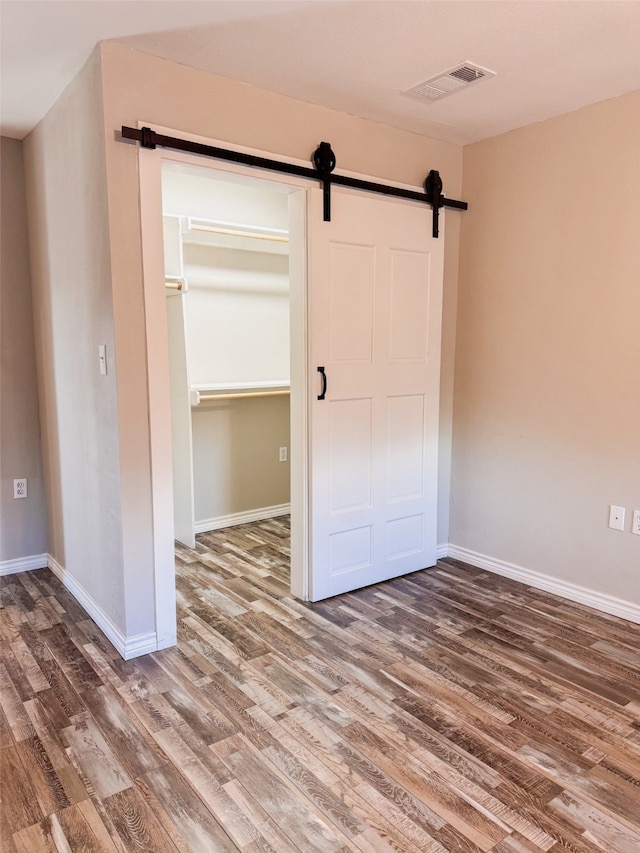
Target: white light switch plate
{"points": [[616, 517]]}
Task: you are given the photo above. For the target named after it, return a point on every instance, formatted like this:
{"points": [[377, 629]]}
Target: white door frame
{"points": [[149, 165]]}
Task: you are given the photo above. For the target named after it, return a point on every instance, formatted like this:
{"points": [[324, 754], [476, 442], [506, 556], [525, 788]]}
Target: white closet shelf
{"points": [[238, 229], [225, 391]]}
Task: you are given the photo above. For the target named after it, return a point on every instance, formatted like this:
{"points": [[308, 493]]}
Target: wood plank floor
{"points": [[450, 710]]}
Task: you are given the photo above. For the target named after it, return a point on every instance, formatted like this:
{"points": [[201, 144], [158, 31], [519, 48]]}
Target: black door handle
{"points": [[323, 393]]}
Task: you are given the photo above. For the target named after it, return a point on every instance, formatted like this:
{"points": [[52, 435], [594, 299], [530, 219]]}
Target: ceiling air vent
{"points": [[449, 82]]}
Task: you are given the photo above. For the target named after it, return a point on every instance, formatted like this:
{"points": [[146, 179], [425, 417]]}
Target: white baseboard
{"points": [[23, 564], [442, 550], [597, 600], [209, 524], [127, 647]]}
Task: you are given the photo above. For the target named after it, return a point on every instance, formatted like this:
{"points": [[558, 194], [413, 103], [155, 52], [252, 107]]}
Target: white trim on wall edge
{"points": [[597, 600], [442, 550], [127, 647], [23, 564], [236, 518]]}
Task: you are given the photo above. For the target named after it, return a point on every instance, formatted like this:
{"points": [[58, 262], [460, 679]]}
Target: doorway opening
{"points": [[226, 251], [165, 314]]}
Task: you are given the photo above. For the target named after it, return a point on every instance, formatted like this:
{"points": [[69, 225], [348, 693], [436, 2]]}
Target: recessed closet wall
{"points": [[227, 285]]}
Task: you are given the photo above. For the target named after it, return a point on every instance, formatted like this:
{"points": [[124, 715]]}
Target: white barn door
{"points": [[375, 290]]}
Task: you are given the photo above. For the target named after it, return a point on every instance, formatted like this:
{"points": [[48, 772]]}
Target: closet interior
{"points": [[227, 285]]}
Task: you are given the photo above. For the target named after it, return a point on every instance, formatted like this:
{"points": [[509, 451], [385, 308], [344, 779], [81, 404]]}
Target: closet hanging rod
{"points": [[207, 398], [276, 238], [324, 162]]}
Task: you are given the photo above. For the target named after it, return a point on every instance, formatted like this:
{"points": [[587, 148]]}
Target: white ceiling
{"points": [[357, 56]]}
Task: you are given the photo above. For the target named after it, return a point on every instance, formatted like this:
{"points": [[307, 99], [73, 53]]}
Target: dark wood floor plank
{"points": [[46, 781], [17, 718], [137, 826], [28, 666], [448, 711], [20, 806]]}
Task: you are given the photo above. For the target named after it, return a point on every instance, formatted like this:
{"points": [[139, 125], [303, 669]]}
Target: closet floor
{"points": [[450, 710]]}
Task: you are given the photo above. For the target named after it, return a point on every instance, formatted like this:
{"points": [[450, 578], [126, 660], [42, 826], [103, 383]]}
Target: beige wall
{"points": [[235, 457], [138, 87], [23, 523], [547, 384], [67, 204]]}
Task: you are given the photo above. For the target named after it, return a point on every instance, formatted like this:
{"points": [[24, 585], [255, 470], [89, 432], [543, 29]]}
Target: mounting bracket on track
{"points": [[433, 189], [324, 162]]}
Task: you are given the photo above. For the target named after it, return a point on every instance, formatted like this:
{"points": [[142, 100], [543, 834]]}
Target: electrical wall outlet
{"points": [[20, 488], [635, 524], [282, 456], [616, 517]]}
